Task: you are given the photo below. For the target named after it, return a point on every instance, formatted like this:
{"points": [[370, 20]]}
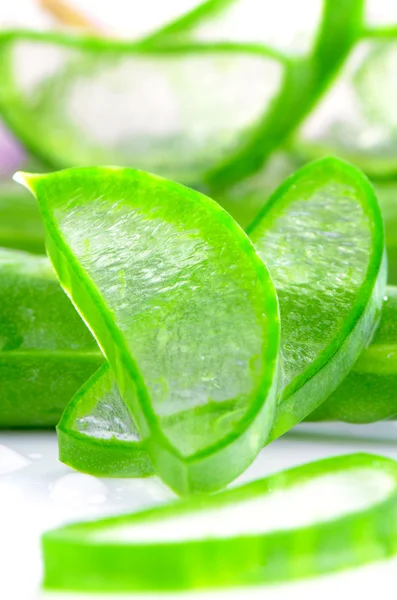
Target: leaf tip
{"points": [[25, 179]]}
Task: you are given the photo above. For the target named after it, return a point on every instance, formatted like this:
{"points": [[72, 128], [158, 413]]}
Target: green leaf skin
{"points": [[321, 237], [46, 352], [20, 222], [262, 532], [97, 434], [369, 392], [183, 308]]}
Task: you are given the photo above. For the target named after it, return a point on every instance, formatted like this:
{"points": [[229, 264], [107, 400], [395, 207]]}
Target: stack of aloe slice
{"points": [[184, 343], [209, 356]]}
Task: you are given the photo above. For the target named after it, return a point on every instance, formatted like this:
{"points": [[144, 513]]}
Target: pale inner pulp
{"points": [[323, 498]]}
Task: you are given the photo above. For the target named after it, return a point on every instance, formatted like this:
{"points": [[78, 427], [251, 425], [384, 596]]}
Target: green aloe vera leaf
{"points": [[20, 221], [369, 392], [313, 519], [174, 110], [357, 119], [97, 433], [183, 308], [46, 351], [321, 237]]}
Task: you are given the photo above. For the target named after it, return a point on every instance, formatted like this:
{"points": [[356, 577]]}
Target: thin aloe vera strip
{"points": [[165, 278], [357, 119], [321, 237], [176, 110], [317, 518], [369, 392], [97, 433], [46, 351]]}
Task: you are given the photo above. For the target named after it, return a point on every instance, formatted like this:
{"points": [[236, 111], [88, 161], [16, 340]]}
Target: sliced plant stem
{"points": [[314, 519]]}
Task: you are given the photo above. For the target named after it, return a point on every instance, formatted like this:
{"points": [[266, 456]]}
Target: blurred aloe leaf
{"points": [[207, 113], [21, 226], [46, 351], [358, 117], [175, 111]]}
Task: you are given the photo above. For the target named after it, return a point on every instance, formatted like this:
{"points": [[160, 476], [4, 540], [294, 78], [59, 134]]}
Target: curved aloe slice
{"points": [[173, 110], [313, 519], [183, 307], [358, 117], [369, 392], [97, 433], [321, 237], [46, 352]]}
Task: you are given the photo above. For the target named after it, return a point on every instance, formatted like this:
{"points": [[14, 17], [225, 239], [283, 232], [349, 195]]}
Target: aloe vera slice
{"points": [[97, 433], [369, 392], [183, 308], [46, 352], [174, 110], [358, 117], [321, 237], [320, 517]]}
